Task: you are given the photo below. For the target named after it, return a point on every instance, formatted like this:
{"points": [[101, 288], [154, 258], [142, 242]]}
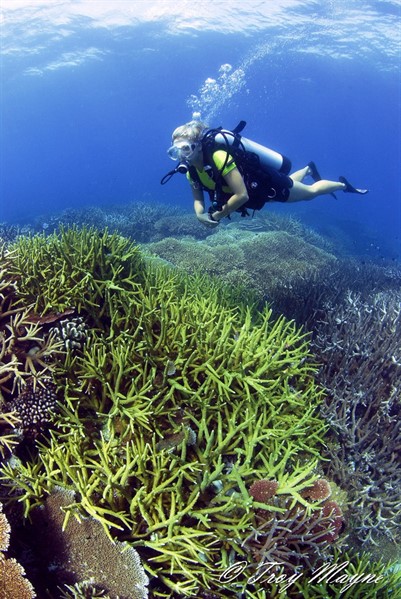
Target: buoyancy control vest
{"points": [[265, 171]]}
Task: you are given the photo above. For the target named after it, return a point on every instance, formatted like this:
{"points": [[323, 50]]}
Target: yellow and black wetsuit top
{"points": [[223, 163], [262, 185]]}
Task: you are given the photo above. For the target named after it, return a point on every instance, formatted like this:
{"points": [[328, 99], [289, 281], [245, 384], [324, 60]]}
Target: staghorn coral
{"points": [[348, 575], [358, 345], [9, 436], [167, 353], [288, 532], [82, 590], [26, 349], [81, 551], [81, 270]]}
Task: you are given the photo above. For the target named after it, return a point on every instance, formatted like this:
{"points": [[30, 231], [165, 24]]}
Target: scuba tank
{"points": [[270, 159]]}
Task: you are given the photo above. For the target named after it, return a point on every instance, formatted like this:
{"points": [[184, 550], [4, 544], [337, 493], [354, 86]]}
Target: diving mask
{"points": [[182, 150]]}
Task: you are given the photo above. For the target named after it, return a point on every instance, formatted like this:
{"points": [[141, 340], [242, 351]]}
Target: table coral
{"points": [[82, 551], [265, 261], [13, 584]]}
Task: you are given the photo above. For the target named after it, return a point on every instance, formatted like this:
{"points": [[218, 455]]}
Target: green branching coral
{"points": [[78, 268], [177, 403], [27, 351]]}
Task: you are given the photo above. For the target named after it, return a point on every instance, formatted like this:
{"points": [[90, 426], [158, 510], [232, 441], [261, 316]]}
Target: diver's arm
{"points": [[199, 201], [240, 196], [199, 207]]}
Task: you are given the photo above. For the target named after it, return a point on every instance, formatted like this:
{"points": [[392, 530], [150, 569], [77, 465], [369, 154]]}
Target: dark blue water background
{"points": [[91, 127]]}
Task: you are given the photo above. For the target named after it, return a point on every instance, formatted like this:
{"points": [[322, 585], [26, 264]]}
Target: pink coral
{"points": [[263, 490], [319, 491]]}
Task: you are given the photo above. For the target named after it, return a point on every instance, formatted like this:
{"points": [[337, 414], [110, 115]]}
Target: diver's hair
{"points": [[192, 131]]}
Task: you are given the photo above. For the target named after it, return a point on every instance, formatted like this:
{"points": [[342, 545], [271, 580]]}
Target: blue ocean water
{"points": [[91, 91]]}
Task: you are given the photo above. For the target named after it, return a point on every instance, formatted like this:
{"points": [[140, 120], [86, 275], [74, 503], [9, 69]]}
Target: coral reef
{"points": [[34, 406], [265, 261], [288, 532], [9, 233], [140, 221], [353, 314], [191, 427], [171, 409], [13, 583], [26, 349], [81, 551], [358, 345]]}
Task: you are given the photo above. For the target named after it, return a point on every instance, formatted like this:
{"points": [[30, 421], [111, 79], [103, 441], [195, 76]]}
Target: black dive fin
{"points": [[314, 173], [350, 188]]}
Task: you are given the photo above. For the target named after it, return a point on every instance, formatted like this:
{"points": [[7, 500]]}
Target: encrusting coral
{"points": [[178, 401]]}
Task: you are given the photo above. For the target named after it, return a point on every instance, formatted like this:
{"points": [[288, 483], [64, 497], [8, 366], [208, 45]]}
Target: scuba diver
{"points": [[239, 174]]}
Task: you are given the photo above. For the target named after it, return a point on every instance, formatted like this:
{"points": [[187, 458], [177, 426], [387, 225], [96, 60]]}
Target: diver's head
{"points": [[187, 141]]}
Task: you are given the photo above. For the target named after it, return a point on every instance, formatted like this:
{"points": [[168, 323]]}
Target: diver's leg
{"points": [[299, 191], [301, 174], [309, 170]]}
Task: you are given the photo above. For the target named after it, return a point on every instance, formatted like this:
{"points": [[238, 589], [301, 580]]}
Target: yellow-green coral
{"points": [[166, 354]]}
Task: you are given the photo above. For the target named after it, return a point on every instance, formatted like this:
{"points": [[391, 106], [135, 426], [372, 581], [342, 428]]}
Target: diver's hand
{"points": [[206, 220]]}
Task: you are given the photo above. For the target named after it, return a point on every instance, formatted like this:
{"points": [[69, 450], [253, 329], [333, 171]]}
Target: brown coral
{"points": [[13, 584], [263, 490], [34, 406], [83, 551], [4, 531], [319, 491]]}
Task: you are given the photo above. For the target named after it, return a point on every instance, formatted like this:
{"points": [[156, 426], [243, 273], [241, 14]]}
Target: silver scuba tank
{"points": [[267, 157]]}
